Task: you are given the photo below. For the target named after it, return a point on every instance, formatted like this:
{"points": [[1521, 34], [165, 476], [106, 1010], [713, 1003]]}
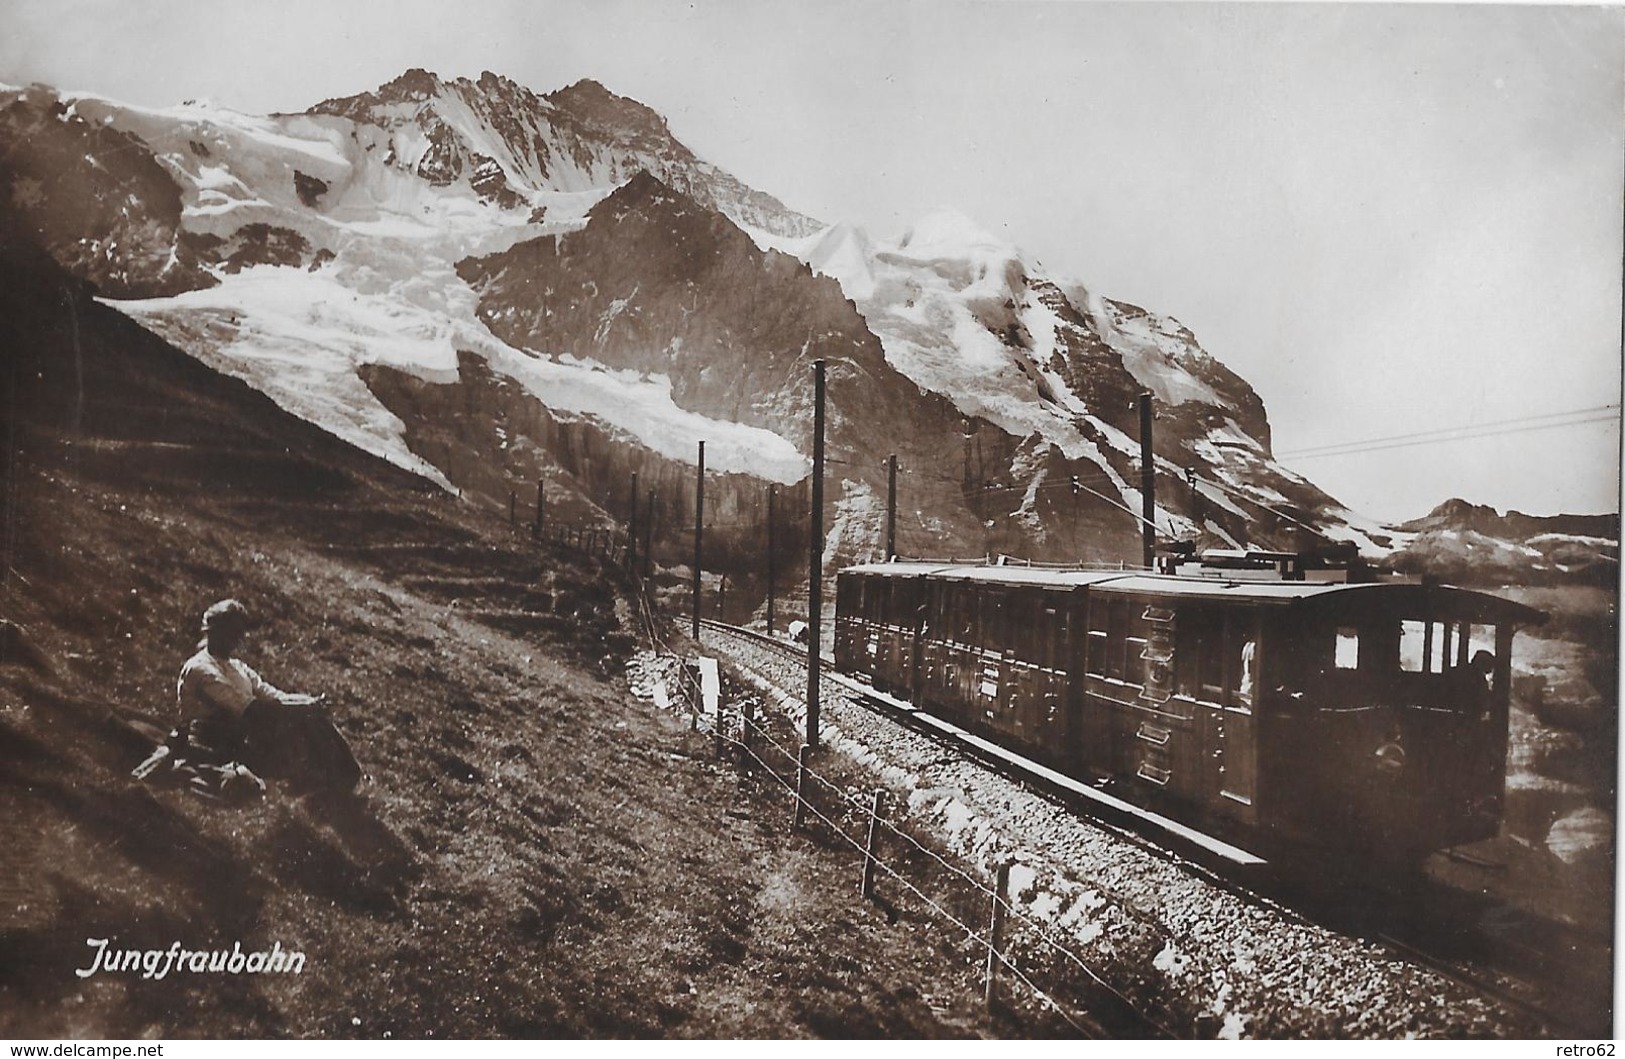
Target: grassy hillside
{"points": [[536, 853]]}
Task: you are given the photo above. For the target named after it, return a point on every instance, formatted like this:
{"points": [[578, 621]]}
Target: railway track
{"points": [[1432, 938]]}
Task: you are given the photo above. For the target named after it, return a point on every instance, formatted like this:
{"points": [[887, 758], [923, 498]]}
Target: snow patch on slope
{"points": [[390, 295], [301, 337], [941, 301]]}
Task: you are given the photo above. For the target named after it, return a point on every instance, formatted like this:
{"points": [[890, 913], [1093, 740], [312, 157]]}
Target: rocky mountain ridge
{"points": [[1470, 543], [510, 144], [397, 264]]}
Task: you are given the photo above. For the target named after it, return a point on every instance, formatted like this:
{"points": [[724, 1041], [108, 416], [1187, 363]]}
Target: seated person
{"points": [[1479, 680], [237, 727]]}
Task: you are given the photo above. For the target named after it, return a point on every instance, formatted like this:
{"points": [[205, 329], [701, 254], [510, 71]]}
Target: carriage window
{"points": [[1136, 631], [961, 627], [1049, 626], [1412, 639], [1096, 662], [1199, 639], [1134, 660], [994, 617], [1210, 662], [1118, 632], [1247, 672], [1463, 640], [1422, 646], [1024, 633], [1348, 649]]}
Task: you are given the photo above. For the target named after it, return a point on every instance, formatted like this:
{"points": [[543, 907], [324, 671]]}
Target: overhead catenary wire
{"points": [[1465, 432], [1254, 500]]}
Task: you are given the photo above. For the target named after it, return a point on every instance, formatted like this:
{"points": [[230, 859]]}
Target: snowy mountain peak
{"points": [[513, 147], [947, 232], [414, 86], [566, 257], [593, 104], [845, 253]]}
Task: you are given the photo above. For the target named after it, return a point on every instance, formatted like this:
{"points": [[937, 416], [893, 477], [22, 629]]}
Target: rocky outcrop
{"points": [[94, 198], [578, 137], [493, 438], [1006, 394], [1467, 543]]}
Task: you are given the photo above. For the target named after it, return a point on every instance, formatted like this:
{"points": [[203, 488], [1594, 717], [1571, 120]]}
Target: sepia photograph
{"points": [[794, 520]]}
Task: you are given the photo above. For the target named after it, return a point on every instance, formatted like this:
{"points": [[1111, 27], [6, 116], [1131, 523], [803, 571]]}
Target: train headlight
{"points": [[1390, 757]]}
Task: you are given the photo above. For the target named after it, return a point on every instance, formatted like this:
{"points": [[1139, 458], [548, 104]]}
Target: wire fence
{"points": [[750, 743], [816, 795]]}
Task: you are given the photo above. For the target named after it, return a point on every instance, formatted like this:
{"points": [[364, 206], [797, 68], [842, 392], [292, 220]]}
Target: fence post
{"points": [[801, 787], [1001, 883], [717, 737], [868, 887]]}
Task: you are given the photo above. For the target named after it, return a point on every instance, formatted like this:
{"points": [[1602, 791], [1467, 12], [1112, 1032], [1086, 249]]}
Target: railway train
{"points": [[1245, 694]]}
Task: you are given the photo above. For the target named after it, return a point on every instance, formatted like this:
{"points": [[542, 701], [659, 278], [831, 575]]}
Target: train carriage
{"points": [[1370, 717]]}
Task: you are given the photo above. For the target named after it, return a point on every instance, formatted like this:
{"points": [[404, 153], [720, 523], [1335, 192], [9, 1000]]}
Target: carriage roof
{"points": [[1373, 598]]}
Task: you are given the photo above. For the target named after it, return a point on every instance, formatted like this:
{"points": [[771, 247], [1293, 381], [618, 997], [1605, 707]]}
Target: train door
{"points": [[994, 676], [927, 618], [1218, 667], [1236, 735], [1091, 730], [1053, 719]]}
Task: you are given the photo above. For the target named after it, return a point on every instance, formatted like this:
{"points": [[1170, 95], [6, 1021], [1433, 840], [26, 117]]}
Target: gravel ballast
{"points": [[1189, 953]]}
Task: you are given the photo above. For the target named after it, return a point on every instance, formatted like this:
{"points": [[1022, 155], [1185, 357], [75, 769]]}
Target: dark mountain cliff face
{"points": [[492, 439], [593, 112], [662, 279], [1093, 370], [658, 283], [1240, 400], [95, 198]]}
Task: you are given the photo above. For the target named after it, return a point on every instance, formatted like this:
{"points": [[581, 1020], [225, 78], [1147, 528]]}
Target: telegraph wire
{"points": [[1467, 432]]}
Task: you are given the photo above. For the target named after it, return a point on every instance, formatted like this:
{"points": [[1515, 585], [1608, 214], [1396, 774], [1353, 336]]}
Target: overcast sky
{"points": [[1389, 219]]}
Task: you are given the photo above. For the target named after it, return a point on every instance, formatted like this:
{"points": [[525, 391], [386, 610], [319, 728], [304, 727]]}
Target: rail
{"points": [[1254, 891]]}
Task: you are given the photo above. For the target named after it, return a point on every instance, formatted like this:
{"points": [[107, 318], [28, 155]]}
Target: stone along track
{"points": [[1163, 919]]}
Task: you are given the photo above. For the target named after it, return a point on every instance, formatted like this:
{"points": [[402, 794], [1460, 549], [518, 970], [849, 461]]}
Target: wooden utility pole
{"points": [[649, 535], [541, 509], [815, 558], [1148, 485], [699, 533], [891, 507], [772, 569], [632, 529]]}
